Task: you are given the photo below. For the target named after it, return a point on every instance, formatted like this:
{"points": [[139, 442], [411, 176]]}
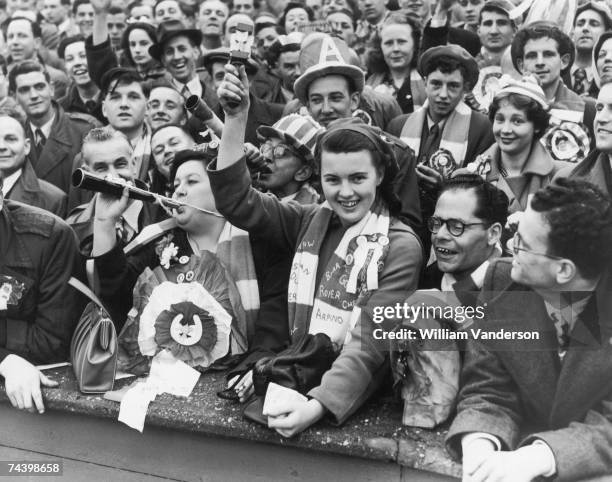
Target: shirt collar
{"points": [[45, 128], [10, 181], [194, 86]]}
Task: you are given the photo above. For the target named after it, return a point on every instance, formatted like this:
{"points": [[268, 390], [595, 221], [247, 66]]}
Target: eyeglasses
{"points": [[276, 152], [454, 226], [514, 245]]}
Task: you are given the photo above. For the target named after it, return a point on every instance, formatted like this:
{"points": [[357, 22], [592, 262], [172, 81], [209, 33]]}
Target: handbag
{"points": [[299, 367], [93, 350]]}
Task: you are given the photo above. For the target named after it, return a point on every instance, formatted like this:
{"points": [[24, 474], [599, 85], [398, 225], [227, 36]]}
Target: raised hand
{"points": [[233, 92]]}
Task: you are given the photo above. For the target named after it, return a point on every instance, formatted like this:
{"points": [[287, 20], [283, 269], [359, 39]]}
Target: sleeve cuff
{"points": [[551, 458], [471, 437]]}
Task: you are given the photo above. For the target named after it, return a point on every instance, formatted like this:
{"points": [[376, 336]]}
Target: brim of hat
{"points": [[471, 67], [156, 49], [269, 132], [321, 70]]}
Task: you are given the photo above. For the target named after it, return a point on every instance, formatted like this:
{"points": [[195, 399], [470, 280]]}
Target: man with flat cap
{"points": [[445, 133]]}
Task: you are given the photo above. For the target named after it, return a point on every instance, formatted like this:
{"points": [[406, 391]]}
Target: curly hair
{"points": [[375, 61], [343, 140], [491, 202], [534, 112], [538, 30], [579, 216], [26, 67]]}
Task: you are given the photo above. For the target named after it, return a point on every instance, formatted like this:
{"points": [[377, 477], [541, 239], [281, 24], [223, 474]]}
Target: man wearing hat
{"points": [[591, 20], [445, 133], [331, 89], [325, 57], [261, 113], [287, 151], [544, 50], [178, 49], [283, 58]]}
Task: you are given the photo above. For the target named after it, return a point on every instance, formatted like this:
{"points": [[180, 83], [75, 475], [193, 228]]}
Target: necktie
{"points": [[562, 328], [430, 143], [580, 78], [185, 92], [40, 141], [124, 231]]}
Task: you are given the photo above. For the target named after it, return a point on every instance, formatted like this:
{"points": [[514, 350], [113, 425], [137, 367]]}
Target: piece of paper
{"points": [[134, 405], [53, 365], [169, 375], [278, 396]]}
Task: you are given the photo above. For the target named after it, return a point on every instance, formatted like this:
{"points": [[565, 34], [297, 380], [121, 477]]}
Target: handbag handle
{"points": [[83, 288]]}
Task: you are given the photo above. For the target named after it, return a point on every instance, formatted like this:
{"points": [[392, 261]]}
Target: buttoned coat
{"points": [[34, 192], [39, 253], [54, 163], [520, 395]]}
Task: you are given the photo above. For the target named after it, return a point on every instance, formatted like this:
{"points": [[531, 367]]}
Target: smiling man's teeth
{"points": [[444, 251]]}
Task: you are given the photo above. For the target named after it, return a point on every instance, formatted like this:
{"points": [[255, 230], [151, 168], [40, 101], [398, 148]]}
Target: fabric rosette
{"points": [[567, 141], [192, 310], [443, 161]]}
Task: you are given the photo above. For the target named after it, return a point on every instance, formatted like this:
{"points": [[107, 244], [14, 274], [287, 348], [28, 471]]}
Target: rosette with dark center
{"points": [[568, 141], [443, 161], [186, 330]]}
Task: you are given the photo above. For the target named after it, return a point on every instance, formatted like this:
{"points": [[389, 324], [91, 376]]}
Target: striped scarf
{"points": [[454, 135], [333, 307], [234, 251]]}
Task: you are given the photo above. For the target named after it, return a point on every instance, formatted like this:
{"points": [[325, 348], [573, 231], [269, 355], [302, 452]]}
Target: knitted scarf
{"points": [[454, 135], [334, 306]]}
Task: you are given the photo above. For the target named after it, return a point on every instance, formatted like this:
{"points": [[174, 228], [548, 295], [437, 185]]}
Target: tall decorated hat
{"points": [[324, 55]]}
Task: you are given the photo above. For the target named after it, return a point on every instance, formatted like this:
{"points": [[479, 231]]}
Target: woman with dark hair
{"points": [[135, 43], [351, 253], [295, 13], [393, 59], [518, 163]]}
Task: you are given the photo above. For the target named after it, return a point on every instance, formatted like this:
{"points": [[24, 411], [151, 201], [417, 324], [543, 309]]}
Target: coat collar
{"points": [[539, 162]]}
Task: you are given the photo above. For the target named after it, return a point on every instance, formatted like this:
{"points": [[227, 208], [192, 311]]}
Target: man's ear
{"points": [[566, 271], [494, 233], [37, 44], [355, 98], [303, 174], [565, 61], [519, 64], [104, 109], [27, 144]]}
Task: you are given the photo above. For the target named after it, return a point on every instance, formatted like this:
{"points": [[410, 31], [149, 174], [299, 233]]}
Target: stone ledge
{"points": [[375, 432]]}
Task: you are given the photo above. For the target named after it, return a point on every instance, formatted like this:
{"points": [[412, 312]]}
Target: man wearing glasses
{"points": [[465, 232], [287, 160], [544, 407]]}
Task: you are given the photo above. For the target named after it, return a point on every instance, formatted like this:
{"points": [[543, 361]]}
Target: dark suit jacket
{"points": [[32, 191], [508, 392], [54, 164], [37, 250], [261, 113], [72, 102], [594, 169]]}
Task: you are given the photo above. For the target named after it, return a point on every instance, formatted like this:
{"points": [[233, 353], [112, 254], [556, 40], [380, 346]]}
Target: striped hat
{"points": [[298, 131], [527, 86]]}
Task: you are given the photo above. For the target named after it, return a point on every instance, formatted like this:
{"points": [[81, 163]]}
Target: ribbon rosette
{"points": [[481, 166], [186, 320]]}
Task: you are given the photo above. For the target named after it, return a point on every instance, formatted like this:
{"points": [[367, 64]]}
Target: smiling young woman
{"points": [[355, 231], [518, 163]]}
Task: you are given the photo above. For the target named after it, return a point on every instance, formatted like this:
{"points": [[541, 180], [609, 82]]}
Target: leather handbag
{"points": [[93, 350], [299, 367]]}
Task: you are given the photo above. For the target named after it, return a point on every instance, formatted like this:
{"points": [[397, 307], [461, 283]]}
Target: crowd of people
{"points": [[325, 159]]}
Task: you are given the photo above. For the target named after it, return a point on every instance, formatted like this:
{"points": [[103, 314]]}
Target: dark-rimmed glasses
{"points": [[454, 226], [515, 246]]}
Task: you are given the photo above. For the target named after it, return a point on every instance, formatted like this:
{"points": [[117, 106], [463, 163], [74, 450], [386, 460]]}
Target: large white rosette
{"points": [[163, 297]]}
